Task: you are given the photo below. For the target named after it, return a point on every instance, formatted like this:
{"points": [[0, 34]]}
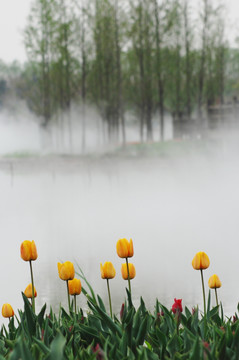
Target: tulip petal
{"points": [[131, 248], [102, 271], [200, 261], [124, 271]]}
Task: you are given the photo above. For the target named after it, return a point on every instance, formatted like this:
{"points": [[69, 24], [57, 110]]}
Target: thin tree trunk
{"points": [[159, 72], [119, 74], [83, 139], [188, 61], [203, 60], [142, 74]]}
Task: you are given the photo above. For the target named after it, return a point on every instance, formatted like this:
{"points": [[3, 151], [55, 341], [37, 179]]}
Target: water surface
{"points": [[77, 208]]}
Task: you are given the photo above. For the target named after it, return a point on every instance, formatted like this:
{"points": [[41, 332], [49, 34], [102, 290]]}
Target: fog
{"points": [[22, 133], [77, 207]]}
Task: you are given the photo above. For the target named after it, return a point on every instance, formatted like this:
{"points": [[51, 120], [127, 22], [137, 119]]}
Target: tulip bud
{"points": [[124, 271], [214, 282], [177, 306], [107, 270], [125, 248], [74, 286], [200, 261], [66, 270], [122, 312], [28, 250], [28, 291], [7, 311]]}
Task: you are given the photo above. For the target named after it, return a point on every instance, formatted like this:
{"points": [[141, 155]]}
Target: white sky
{"points": [[13, 15]]}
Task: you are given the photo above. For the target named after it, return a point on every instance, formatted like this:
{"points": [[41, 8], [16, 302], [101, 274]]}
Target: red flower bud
{"points": [[99, 352], [122, 312], [177, 306], [206, 344]]}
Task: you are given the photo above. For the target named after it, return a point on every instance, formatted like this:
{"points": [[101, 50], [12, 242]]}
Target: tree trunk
{"points": [[159, 71]]}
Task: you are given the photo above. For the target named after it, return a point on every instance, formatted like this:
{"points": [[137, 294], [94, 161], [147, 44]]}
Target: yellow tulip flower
{"points": [[74, 286], [7, 311], [125, 248], [107, 270], [28, 291], [66, 270], [28, 250], [124, 271], [214, 282], [200, 261]]}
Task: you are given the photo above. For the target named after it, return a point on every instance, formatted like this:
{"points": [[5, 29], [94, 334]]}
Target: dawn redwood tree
{"points": [[205, 26], [118, 49], [142, 36], [106, 72], [221, 50], [159, 65], [188, 39], [38, 41], [177, 35], [64, 62]]}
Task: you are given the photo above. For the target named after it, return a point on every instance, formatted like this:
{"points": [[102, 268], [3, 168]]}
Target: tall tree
{"points": [[159, 67], [205, 17], [38, 35], [142, 40], [188, 61]]}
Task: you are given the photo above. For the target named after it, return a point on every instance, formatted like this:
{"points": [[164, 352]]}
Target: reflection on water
{"points": [[76, 210]]}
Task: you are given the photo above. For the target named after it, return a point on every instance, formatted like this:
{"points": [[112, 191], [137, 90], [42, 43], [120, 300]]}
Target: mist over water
{"points": [[76, 208], [21, 132]]}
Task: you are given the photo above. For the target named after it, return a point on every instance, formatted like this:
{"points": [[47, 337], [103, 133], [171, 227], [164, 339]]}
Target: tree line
{"points": [[143, 57]]}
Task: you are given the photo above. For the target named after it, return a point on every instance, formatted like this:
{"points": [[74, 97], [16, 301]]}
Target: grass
{"points": [[136, 149]]}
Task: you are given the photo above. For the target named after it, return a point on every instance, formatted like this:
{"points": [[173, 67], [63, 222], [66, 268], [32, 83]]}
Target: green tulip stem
{"points": [[75, 302], [108, 287], [68, 295], [128, 274], [216, 296], [178, 320], [33, 297], [203, 291]]}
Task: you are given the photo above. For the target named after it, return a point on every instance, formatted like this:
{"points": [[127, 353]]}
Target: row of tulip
{"points": [[124, 250], [66, 272]]}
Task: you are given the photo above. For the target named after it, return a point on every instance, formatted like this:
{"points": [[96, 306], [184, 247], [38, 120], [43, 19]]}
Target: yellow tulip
{"points": [[28, 291], [125, 248], [74, 286], [66, 270], [7, 311], [124, 271], [214, 282], [28, 250], [200, 261], [107, 270]]}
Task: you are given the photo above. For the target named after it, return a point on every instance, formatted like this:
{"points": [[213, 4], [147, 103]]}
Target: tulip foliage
{"points": [[134, 334]]}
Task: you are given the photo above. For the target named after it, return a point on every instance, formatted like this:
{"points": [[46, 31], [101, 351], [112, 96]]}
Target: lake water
{"points": [[77, 208]]}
